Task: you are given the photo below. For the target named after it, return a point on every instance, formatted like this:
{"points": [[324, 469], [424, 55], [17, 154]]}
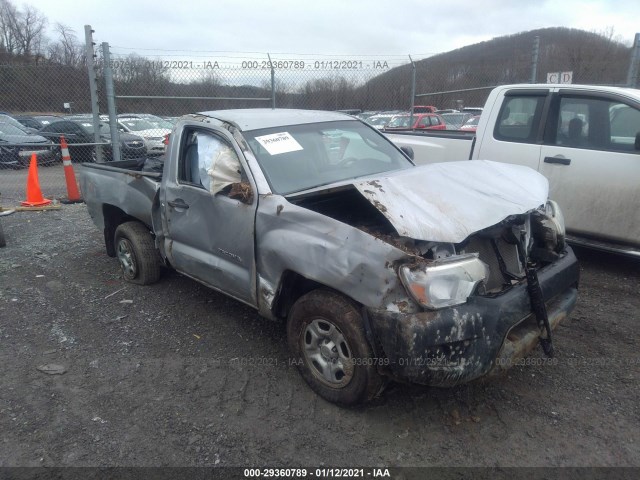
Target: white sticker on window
{"points": [[279, 143]]}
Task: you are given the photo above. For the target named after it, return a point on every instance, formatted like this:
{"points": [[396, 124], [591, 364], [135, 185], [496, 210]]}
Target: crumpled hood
{"points": [[447, 202]]}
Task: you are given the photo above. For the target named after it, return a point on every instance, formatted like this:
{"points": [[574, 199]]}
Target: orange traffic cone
{"points": [[34, 194], [73, 195]]}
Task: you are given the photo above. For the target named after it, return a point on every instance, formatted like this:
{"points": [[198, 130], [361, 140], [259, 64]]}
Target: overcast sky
{"points": [[329, 27]]}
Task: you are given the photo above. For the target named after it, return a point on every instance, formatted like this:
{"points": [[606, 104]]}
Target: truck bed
{"points": [[127, 185]]}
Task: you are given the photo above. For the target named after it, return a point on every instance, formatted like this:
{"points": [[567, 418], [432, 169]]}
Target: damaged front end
{"points": [[486, 301], [460, 268]]}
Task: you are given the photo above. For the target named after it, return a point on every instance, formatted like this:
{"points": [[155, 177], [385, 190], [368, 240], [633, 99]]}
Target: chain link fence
{"points": [[145, 93]]}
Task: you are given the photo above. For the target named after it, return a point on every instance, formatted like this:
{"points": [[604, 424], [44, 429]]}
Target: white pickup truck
{"points": [[584, 138]]}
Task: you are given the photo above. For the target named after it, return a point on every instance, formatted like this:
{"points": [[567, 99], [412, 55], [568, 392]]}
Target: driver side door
{"points": [[210, 237]]}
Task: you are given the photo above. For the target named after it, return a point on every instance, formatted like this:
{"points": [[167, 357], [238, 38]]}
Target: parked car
{"points": [[17, 147], [79, 134], [170, 121], [423, 121], [380, 120], [471, 125], [4, 118], [366, 114], [37, 121], [381, 269], [153, 135], [157, 122], [454, 121], [424, 109], [473, 110]]}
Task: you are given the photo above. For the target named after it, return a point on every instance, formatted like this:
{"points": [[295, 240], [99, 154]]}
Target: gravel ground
{"points": [[176, 374]]}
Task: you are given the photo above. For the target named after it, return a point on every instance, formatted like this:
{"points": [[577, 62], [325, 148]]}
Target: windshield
{"points": [[7, 129], [12, 121], [299, 157], [137, 124]]}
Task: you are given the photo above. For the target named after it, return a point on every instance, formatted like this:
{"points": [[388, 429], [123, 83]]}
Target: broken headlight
{"points": [[445, 282], [549, 228], [552, 209]]}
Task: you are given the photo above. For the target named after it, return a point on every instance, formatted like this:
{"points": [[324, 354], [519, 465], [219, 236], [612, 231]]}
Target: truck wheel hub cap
{"points": [[327, 353], [126, 258]]}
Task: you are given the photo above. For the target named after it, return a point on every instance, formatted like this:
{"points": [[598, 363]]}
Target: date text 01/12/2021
{"points": [[325, 472], [258, 65]]}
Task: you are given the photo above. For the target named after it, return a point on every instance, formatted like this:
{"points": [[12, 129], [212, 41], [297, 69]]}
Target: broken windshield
{"points": [[299, 157]]}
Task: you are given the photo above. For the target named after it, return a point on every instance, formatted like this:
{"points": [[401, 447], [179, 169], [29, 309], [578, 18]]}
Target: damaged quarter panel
{"points": [[136, 200], [326, 251]]}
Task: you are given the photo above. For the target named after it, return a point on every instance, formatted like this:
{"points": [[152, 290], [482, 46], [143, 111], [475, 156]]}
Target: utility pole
{"points": [[632, 76], [93, 88], [534, 59]]}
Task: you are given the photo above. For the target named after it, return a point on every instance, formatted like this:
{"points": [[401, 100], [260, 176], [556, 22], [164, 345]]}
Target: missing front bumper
{"points": [[486, 335]]}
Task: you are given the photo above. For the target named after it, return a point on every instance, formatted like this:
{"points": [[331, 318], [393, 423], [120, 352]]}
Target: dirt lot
{"points": [[176, 374]]}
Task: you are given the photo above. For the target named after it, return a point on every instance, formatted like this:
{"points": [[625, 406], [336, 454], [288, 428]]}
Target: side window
{"points": [[625, 126], [210, 162], [73, 128], [597, 124], [57, 127], [424, 122], [517, 118], [435, 121], [573, 122]]}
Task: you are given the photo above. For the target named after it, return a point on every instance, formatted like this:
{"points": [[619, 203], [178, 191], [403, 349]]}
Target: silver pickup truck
{"points": [[435, 274]]}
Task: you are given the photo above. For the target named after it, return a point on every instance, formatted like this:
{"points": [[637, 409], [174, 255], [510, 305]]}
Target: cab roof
{"points": [[257, 118]]}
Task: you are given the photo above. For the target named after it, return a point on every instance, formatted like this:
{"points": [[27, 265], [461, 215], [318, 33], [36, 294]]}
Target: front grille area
{"points": [[483, 247]]}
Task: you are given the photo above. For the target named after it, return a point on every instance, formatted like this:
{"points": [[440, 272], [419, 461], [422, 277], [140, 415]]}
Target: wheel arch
{"points": [[113, 217], [292, 286]]}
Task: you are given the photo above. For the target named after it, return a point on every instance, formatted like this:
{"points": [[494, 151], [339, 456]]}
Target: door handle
{"points": [[178, 203], [560, 160]]}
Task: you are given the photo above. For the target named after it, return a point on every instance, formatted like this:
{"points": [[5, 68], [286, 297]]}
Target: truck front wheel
{"points": [[329, 345], [136, 252]]}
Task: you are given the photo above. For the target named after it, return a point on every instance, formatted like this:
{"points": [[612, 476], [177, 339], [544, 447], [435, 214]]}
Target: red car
{"points": [[424, 121], [424, 109]]}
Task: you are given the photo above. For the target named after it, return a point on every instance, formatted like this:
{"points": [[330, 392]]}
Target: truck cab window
{"points": [[625, 127], [597, 124], [516, 118], [210, 162]]}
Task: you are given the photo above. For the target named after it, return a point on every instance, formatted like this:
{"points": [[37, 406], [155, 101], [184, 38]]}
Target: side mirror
{"points": [[637, 142], [408, 151]]}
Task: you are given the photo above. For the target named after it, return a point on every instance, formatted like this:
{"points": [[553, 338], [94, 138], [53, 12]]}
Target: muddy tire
{"points": [[327, 340], [137, 254]]}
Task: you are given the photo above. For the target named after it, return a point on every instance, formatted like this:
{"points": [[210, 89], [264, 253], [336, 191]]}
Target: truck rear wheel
{"points": [[327, 339], [137, 254]]}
